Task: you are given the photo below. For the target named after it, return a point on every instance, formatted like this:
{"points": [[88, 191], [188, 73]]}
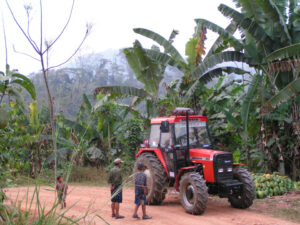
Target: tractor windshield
{"points": [[198, 134]]}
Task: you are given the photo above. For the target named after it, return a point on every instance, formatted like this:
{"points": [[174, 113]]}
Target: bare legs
{"points": [[113, 211], [117, 207], [143, 210], [136, 209]]}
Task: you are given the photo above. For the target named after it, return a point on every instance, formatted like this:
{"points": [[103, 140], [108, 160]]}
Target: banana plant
{"points": [[194, 67], [270, 44], [9, 82], [149, 66], [148, 72]]}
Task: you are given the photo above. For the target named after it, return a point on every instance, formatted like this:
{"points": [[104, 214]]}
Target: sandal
{"points": [[120, 217], [147, 217], [135, 216], [113, 215]]}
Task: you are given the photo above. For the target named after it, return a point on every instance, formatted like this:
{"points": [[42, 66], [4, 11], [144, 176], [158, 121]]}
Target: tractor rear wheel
{"points": [[193, 193], [245, 200], [156, 178]]}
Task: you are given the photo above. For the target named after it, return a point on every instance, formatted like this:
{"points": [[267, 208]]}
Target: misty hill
{"points": [[86, 73]]}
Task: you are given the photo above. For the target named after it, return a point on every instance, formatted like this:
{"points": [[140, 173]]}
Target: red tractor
{"points": [[179, 154]]}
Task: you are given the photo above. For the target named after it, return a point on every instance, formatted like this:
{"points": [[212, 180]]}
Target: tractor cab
{"points": [[176, 135], [179, 154]]}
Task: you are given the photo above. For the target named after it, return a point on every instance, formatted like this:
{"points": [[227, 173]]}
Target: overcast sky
{"points": [[113, 21]]}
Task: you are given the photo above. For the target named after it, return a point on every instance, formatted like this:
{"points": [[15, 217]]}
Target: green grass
{"points": [[13, 213]]}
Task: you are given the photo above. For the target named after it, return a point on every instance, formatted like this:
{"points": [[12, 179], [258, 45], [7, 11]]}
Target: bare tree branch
{"points": [[28, 8], [63, 30], [5, 42], [43, 61], [16, 21], [41, 10], [24, 53], [74, 53]]}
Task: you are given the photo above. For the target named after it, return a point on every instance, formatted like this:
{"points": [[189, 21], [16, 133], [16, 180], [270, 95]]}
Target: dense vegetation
{"points": [[102, 109]]}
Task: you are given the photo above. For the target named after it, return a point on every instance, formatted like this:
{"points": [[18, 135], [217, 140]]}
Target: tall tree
{"points": [[42, 49]]}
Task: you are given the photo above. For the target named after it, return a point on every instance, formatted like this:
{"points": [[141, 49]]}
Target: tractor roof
{"points": [[177, 119]]}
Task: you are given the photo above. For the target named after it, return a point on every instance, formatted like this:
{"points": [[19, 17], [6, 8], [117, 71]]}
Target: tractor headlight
{"points": [[229, 169], [220, 170]]}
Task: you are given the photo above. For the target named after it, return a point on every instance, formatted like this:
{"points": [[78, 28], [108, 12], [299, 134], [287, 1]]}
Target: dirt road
{"points": [[169, 213]]}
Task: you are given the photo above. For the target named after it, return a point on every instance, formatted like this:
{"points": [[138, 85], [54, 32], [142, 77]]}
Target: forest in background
{"points": [[75, 118], [100, 108], [84, 75]]}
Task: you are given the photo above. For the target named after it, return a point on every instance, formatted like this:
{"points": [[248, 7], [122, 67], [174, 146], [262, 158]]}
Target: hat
{"points": [[140, 166], [117, 161]]}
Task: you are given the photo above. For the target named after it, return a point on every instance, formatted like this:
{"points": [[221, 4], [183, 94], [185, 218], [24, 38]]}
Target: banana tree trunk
{"points": [[32, 163], [264, 145], [296, 132], [38, 160]]}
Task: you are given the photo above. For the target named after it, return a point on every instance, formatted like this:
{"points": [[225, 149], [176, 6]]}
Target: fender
{"points": [[158, 154], [183, 169]]}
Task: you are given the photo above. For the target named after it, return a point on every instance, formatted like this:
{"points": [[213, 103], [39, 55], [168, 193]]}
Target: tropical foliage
{"points": [[247, 84]]}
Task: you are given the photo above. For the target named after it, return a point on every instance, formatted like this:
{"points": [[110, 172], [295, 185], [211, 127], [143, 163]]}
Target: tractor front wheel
{"points": [[245, 200], [156, 178], [193, 193]]}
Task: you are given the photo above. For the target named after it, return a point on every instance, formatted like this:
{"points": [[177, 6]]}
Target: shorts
{"points": [[116, 197], [140, 200], [61, 198]]}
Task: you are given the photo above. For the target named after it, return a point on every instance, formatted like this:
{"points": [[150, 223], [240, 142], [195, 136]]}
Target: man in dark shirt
{"points": [[115, 181], [140, 192]]}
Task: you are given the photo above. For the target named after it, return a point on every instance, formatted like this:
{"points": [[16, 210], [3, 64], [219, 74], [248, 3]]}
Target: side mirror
{"points": [[165, 127]]}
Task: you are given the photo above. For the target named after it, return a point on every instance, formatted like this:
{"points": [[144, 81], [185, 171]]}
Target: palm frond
{"points": [[87, 102], [235, 43], [284, 53], [288, 92], [208, 76], [26, 83], [212, 61], [253, 28], [252, 10], [162, 58], [169, 48], [219, 45], [245, 110], [273, 13], [173, 34], [145, 69]]}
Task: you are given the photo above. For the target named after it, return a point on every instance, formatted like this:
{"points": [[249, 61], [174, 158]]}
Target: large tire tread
{"points": [[201, 193], [157, 195], [248, 195]]}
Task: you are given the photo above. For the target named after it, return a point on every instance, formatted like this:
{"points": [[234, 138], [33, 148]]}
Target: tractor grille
{"points": [[223, 161]]}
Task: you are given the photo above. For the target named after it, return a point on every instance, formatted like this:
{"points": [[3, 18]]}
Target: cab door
{"points": [[166, 145]]}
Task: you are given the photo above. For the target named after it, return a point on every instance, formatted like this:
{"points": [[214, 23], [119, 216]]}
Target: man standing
{"points": [[115, 181], [140, 192]]}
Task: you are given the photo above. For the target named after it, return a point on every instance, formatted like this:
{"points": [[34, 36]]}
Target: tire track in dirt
{"points": [[80, 198]]}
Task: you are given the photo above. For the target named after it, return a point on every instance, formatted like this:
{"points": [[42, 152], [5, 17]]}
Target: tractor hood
{"points": [[211, 160], [197, 154]]}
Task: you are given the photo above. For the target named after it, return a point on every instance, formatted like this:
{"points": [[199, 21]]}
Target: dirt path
{"points": [[169, 213]]}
